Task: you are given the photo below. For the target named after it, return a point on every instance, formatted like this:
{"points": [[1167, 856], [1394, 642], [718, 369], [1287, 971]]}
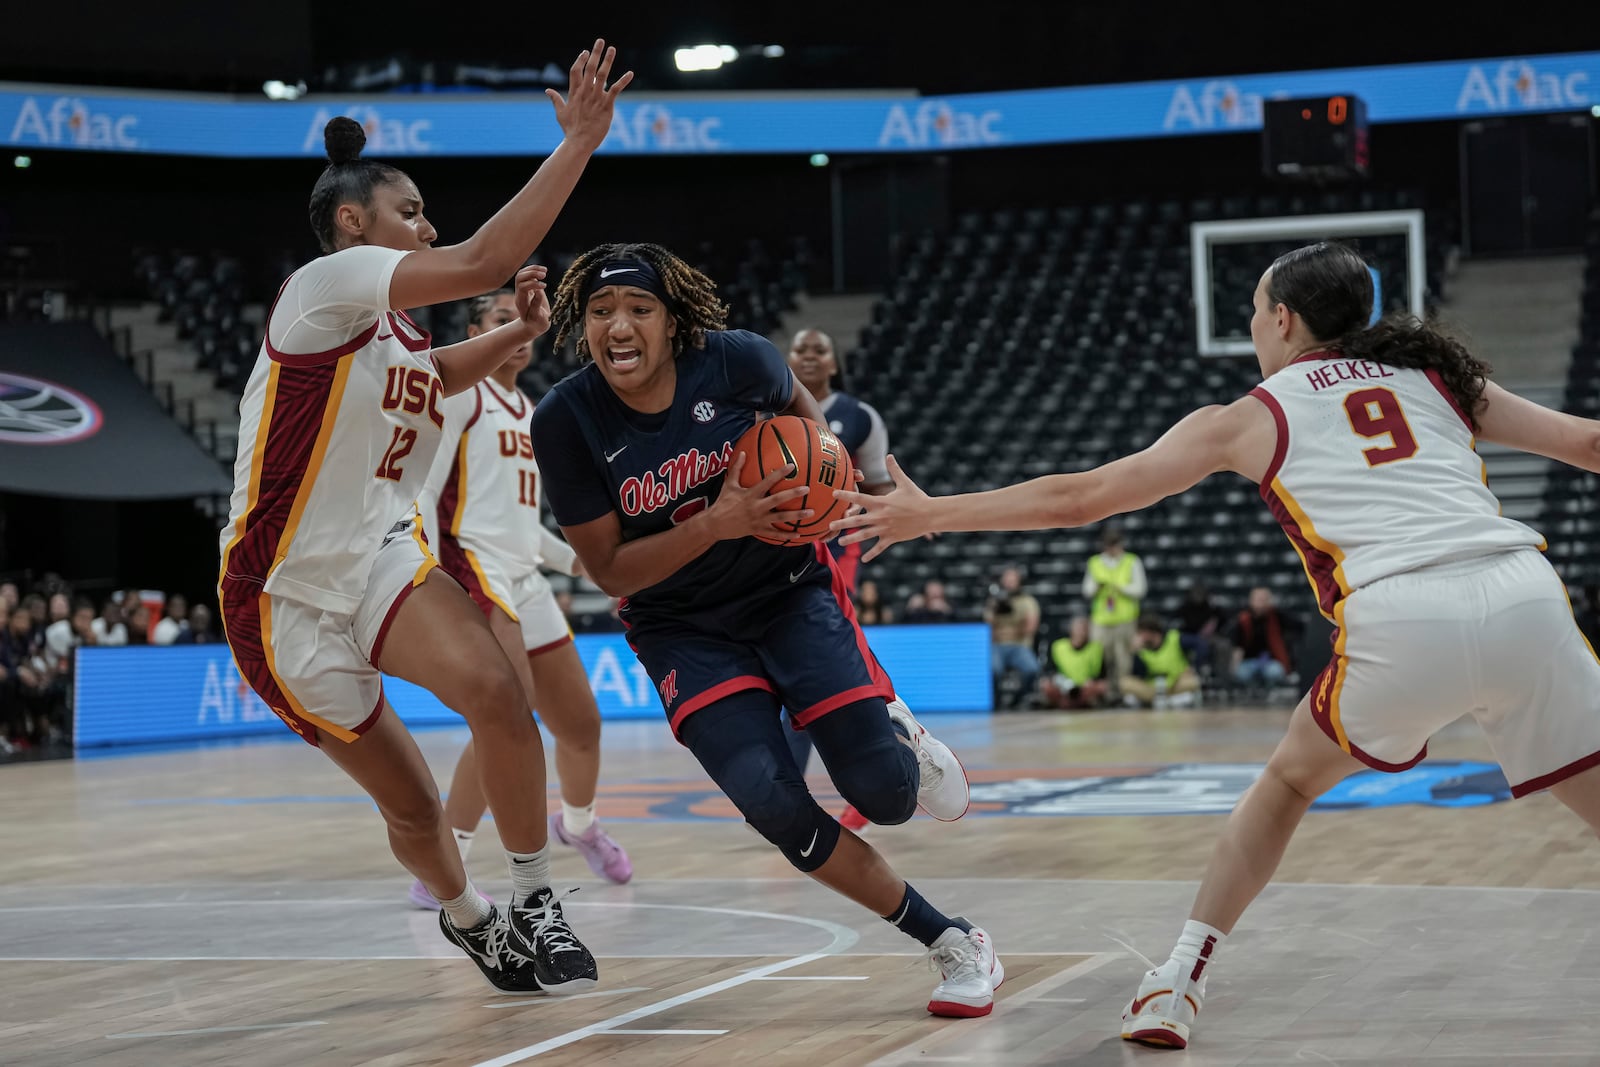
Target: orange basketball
{"points": [[820, 461]]}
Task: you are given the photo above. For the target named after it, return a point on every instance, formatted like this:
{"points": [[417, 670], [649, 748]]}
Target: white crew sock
{"points": [[530, 872], [463, 841], [577, 820], [467, 911], [1197, 947]]}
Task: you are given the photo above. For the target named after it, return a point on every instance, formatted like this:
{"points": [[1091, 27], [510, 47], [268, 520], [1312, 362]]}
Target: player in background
{"points": [[860, 428], [856, 422], [1362, 440], [637, 448], [480, 506], [325, 579]]}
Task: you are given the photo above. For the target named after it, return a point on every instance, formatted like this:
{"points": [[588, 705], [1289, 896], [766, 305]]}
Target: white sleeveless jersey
{"points": [[338, 425], [1375, 474], [483, 487]]}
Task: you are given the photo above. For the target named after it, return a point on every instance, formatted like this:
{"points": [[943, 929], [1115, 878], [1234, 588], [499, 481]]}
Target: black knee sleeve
{"points": [[783, 811], [870, 762]]}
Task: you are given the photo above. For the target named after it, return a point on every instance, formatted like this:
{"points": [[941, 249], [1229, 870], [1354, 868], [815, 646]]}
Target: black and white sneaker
{"points": [[560, 961], [491, 947]]}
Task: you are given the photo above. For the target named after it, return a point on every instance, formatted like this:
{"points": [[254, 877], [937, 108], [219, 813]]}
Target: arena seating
{"points": [[1027, 342], [1569, 520], [206, 295]]}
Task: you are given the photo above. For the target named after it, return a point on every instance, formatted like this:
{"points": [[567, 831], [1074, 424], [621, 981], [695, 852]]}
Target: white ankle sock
{"points": [[467, 911], [530, 872], [577, 820], [1197, 947], [463, 841]]}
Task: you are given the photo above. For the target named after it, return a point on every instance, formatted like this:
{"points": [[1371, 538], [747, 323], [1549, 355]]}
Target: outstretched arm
{"points": [[1240, 437], [1517, 422]]}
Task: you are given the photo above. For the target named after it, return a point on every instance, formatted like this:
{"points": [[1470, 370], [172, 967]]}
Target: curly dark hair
{"points": [[1329, 286], [691, 296]]}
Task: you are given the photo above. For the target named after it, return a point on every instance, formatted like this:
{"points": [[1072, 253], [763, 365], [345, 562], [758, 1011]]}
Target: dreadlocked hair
{"points": [[692, 296], [1329, 286]]}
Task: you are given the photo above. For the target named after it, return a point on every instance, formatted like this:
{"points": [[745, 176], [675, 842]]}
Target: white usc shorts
{"points": [[317, 669], [1493, 637], [527, 599]]}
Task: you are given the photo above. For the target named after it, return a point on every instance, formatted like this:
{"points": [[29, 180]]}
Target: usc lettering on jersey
{"points": [[338, 425], [1376, 474], [483, 489]]}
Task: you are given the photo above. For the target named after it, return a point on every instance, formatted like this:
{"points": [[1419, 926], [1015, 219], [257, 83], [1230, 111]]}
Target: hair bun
{"points": [[344, 139]]}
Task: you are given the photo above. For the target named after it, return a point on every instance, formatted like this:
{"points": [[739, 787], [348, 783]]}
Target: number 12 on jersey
{"points": [[1377, 413]]}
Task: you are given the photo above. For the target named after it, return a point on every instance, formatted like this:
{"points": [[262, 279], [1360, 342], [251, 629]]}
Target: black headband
{"points": [[635, 273]]}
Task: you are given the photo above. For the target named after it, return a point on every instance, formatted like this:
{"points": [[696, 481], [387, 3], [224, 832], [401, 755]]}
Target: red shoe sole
{"points": [[951, 1010], [1156, 1039]]}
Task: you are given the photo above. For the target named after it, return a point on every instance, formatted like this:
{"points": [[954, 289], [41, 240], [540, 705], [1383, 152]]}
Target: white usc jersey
{"points": [[1376, 474], [338, 425], [483, 488]]}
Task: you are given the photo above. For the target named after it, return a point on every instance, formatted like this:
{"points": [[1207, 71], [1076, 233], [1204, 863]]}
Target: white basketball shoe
{"points": [[1164, 1010], [943, 791], [970, 972]]}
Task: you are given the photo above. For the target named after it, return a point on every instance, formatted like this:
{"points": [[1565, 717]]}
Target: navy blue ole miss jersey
{"points": [[655, 471]]}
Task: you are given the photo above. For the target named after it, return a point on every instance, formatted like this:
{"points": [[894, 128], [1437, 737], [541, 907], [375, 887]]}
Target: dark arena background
{"points": [[1032, 233]]}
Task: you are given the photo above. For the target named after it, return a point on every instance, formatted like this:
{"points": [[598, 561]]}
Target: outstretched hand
{"points": [[899, 515], [585, 112], [533, 303]]}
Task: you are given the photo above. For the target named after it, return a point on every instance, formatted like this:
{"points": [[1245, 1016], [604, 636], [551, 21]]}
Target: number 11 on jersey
{"points": [[527, 487]]}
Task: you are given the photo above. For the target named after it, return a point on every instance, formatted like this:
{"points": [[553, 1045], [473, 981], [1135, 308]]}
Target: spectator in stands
{"points": [[22, 653], [1114, 584], [10, 597], [1589, 617], [60, 609], [1013, 618], [1079, 681], [139, 624], [930, 605], [37, 610], [1200, 624], [870, 608], [64, 635], [109, 629], [173, 621], [1160, 676], [201, 629], [1262, 638]]}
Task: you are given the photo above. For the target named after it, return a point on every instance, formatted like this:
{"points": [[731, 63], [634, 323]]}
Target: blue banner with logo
{"points": [[400, 126], [194, 693]]}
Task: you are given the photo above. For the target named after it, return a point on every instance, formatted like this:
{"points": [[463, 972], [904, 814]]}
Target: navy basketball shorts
{"points": [[802, 644]]}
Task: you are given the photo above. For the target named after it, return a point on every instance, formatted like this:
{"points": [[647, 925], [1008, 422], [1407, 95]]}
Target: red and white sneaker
{"points": [[853, 820], [1163, 1012], [943, 791], [970, 973]]}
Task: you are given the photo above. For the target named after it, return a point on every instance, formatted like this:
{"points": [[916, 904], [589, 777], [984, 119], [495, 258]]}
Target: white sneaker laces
{"points": [[957, 962], [552, 925]]}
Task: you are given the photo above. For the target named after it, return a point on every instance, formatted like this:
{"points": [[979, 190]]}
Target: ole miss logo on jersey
{"points": [[676, 477], [669, 688]]}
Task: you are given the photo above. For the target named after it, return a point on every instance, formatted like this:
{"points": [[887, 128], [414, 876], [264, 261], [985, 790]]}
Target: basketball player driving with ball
{"points": [[644, 479]]}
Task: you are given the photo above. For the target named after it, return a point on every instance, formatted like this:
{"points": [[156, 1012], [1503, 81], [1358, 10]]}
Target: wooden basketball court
{"points": [[238, 905]]}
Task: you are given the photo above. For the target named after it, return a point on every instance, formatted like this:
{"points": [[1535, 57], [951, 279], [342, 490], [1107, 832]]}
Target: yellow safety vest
{"points": [[1167, 661], [1080, 664], [1110, 607]]}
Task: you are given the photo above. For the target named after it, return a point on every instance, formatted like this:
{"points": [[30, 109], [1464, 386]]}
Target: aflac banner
{"points": [[194, 693], [399, 126]]}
